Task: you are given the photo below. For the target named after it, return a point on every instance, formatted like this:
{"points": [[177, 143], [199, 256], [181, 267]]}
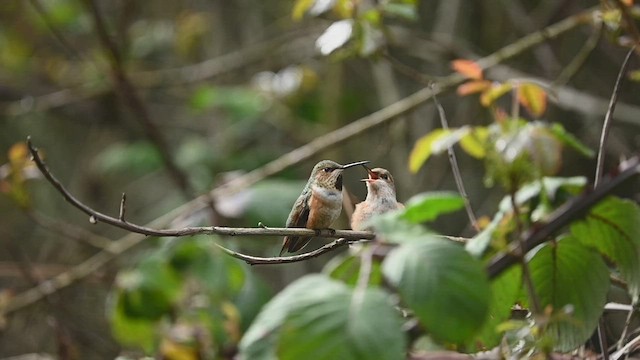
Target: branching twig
{"points": [[456, 169], [562, 217], [609, 118], [187, 231]]}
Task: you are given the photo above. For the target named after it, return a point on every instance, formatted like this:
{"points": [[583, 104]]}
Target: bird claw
{"points": [[319, 231]]}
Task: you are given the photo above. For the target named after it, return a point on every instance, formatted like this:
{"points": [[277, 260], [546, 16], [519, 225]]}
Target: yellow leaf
{"points": [[628, 3], [474, 142], [423, 148], [300, 8], [533, 98], [468, 68], [472, 87], [18, 154], [492, 94]]}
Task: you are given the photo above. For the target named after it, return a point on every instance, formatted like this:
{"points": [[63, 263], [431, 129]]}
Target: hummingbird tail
{"points": [[294, 243]]}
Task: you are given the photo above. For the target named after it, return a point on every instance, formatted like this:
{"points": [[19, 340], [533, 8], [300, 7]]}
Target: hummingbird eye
{"points": [[327, 169], [384, 177]]}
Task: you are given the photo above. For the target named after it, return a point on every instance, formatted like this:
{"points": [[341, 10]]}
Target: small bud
{"points": [[93, 220]]}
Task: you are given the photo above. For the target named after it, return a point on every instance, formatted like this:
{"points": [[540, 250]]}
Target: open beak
{"points": [[355, 164], [371, 175]]}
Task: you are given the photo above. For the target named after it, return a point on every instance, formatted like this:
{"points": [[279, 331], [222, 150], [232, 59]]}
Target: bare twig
{"points": [[223, 64], [626, 349], [562, 217], [188, 231], [42, 11], [70, 231], [580, 58], [609, 118], [130, 96], [526, 273], [627, 324], [123, 208], [456, 169], [255, 260]]}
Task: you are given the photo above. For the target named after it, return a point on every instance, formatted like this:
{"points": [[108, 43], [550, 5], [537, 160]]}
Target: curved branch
{"points": [[255, 260]]}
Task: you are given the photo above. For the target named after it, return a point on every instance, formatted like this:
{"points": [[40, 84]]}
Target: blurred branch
{"points": [[223, 64], [70, 231], [128, 94], [609, 118], [580, 58], [42, 12], [562, 217], [456, 169]]}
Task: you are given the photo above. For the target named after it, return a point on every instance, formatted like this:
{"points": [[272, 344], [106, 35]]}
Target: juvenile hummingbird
{"points": [[320, 203], [381, 198]]}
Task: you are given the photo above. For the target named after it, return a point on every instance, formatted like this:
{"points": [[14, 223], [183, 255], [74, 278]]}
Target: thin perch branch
{"points": [[96, 217], [609, 118]]}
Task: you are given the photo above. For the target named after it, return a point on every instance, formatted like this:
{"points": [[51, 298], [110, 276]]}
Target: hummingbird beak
{"points": [[371, 175], [355, 164]]}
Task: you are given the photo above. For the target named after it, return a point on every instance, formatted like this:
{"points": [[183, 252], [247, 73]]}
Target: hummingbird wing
{"points": [[297, 218]]}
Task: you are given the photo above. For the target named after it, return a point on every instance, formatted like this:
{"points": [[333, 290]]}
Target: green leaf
{"points": [[573, 281], [222, 275], [396, 229], [405, 11], [474, 142], [135, 159], [428, 206], [345, 325], [613, 228], [435, 142], [505, 290], [347, 269], [568, 139], [444, 285], [149, 291], [130, 331], [315, 314]]}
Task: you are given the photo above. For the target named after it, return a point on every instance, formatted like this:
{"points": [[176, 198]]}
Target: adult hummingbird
{"points": [[320, 203], [381, 198]]}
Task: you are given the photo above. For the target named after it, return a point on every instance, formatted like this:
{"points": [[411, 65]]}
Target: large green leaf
{"points": [[613, 228], [504, 294], [443, 284], [348, 325], [573, 280], [316, 314], [428, 206]]}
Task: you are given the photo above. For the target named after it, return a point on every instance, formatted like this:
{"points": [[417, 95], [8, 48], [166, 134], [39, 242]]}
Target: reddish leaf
{"points": [[469, 69], [473, 86]]}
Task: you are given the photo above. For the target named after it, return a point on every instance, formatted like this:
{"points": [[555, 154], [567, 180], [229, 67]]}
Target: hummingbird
{"points": [[320, 203], [381, 198]]}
